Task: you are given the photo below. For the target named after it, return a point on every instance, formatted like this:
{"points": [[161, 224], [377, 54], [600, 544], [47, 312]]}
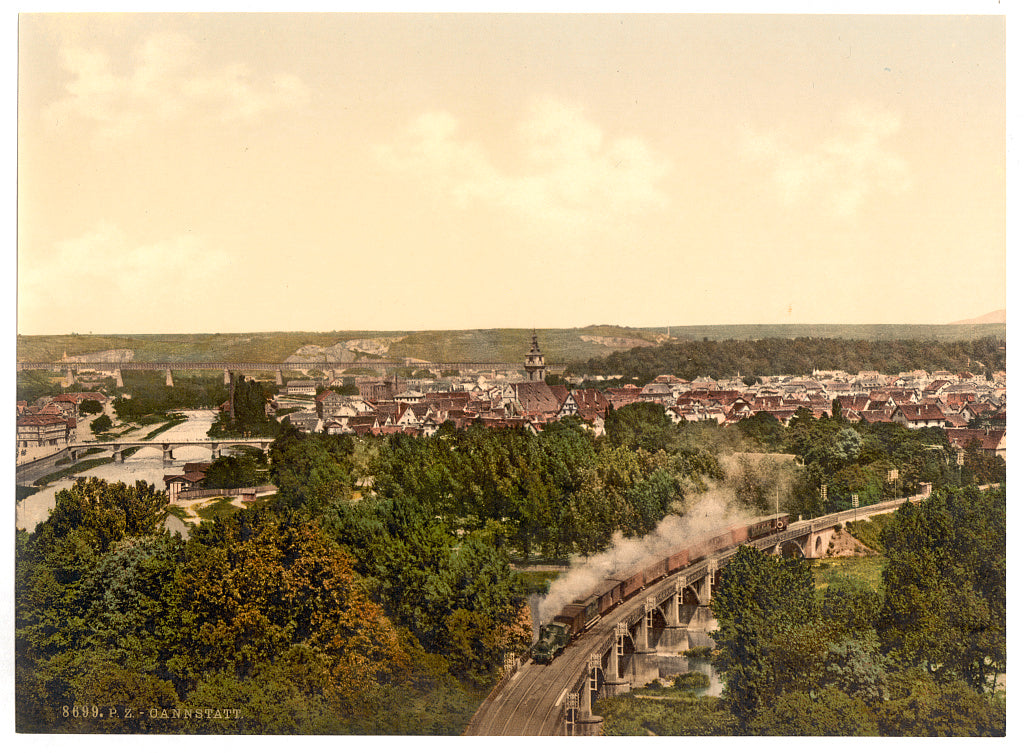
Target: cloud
{"points": [[103, 278], [568, 172], [168, 83], [839, 173]]}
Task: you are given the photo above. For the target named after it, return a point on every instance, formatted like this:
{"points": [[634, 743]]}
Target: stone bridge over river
{"points": [[620, 651], [216, 446]]}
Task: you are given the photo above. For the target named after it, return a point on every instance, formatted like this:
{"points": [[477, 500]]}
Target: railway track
{"points": [[531, 701]]}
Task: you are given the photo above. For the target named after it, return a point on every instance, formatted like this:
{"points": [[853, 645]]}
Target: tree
{"points": [[103, 513], [764, 429], [311, 471], [251, 587], [459, 599], [828, 712], [918, 706], [945, 585], [766, 609], [232, 472], [857, 667], [89, 406], [101, 424], [638, 426]]}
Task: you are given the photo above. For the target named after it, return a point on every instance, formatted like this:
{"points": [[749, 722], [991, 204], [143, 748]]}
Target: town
{"points": [[966, 405]]}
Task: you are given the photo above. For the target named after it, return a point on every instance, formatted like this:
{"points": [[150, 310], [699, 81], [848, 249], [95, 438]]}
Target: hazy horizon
{"points": [[522, 328], [199, 173]]}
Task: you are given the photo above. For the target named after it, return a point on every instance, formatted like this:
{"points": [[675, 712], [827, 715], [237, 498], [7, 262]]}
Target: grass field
{"points": [[865, 571], [221, 507]]}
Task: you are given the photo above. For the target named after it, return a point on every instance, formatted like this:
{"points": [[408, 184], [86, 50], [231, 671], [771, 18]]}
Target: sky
{"points": [[233, 173]]}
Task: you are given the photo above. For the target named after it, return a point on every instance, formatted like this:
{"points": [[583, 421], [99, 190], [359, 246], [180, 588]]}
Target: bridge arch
{"points": [[791, 548], [658, 624], [690, 602], [819, 546]]}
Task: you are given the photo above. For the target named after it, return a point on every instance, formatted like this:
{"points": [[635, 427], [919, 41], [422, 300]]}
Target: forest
{"points": [[720, 359]]}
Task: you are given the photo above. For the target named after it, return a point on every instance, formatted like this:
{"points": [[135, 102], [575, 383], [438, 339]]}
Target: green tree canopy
{"points": [[945, 585]]}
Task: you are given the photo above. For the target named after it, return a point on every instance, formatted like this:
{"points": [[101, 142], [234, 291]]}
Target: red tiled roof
{"points": [[989, 439], [919, 412], [536, 397], [41, 420]]}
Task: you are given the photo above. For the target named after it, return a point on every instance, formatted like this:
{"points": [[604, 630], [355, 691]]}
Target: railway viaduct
{"points": [[278, 368], [620, 651], [216, 446]]}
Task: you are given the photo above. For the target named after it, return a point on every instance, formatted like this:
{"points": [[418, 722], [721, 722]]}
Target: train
{"points": [[583, 613]]}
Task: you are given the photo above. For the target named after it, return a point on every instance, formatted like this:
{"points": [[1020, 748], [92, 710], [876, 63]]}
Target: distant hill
{"points": [[992, 317], [502, 345]]}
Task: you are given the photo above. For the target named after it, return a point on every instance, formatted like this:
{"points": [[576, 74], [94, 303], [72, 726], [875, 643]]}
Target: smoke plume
{"points": [[711, 512]]}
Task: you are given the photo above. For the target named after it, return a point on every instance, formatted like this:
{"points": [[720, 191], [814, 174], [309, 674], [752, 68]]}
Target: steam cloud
{"points": [[710, 513]]}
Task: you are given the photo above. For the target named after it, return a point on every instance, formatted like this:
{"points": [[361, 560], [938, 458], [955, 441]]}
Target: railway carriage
{"points": [[581, 614], [631, 584], [679, 560], [655, 571], [610, 590]]}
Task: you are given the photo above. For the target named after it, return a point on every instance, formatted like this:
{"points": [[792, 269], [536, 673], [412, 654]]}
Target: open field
{"points": [[866, 571]]}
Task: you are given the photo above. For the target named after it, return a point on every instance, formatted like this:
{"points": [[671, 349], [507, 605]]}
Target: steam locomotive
{"points": [[581, 614]]}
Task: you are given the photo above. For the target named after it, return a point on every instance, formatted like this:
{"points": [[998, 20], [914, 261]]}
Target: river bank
{"points": [[145, 465]]}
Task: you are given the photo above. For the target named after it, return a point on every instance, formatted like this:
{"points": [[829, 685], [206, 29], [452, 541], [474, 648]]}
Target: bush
{"points": [[101, 424], [90, 406], [691, 681]]}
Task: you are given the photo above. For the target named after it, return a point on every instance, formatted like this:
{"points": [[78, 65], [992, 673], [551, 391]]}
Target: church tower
{"points": [[535, 370]]}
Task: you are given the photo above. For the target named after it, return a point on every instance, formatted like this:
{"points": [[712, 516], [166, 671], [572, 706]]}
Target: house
{"points": [[877, 416], [41, 430], [591, 404], [364, 424], [535, 400], [300, 387], [854, 402], [445, 401], [307, 421], [658, 392], [375, 390], [620, 396], [569, 407], [329, 402], [992, 441], [192, 476], [410, 396], [919, 416]]}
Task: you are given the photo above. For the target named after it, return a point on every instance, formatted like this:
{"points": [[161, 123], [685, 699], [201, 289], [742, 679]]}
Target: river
{"points": [[144, 465]]}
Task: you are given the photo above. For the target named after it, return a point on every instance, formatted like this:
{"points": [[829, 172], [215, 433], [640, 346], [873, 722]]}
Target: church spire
{"points": [[534, 364]]}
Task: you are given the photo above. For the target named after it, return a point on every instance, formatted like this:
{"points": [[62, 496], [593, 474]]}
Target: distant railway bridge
{"points": [[278, 368]]}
